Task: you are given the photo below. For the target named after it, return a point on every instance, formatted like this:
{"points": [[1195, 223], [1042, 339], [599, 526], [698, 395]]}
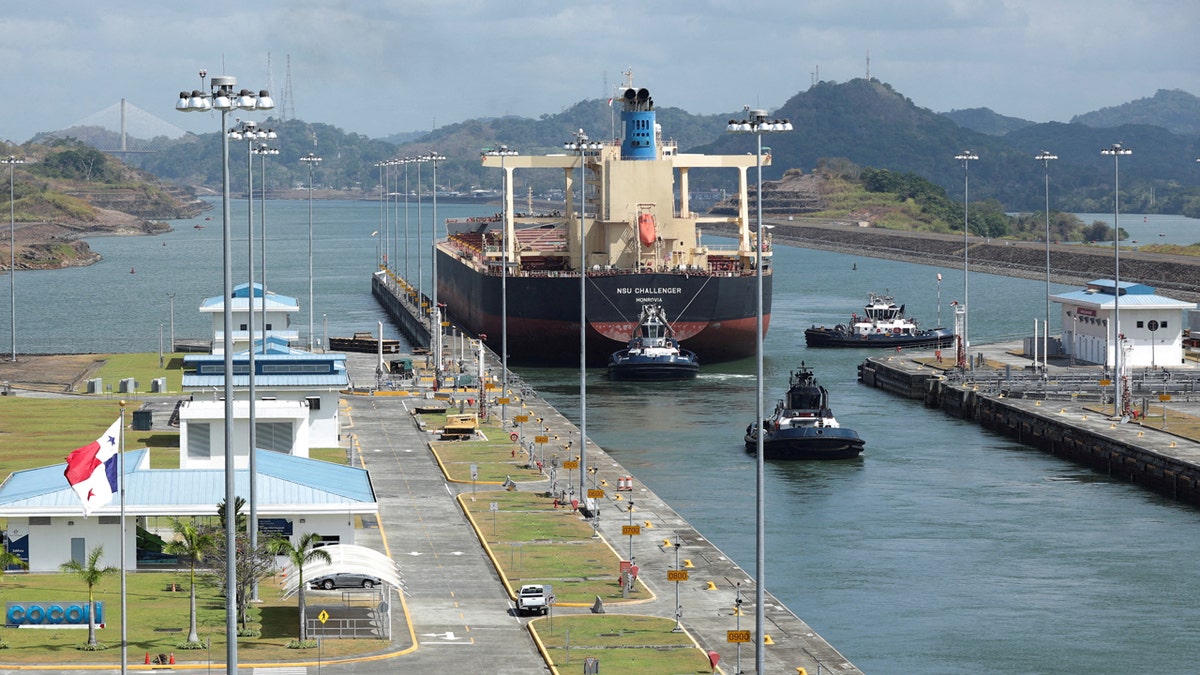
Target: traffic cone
{"points": [[172, 661], [147, 658]]}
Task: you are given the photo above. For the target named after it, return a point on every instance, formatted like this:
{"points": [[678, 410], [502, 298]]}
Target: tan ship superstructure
{"points": [[620, 192]]}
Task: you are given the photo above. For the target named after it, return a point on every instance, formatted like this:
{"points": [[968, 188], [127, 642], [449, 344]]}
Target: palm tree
{"points": [[191, 543], [90, 573], [304, 552], [9, 559]]}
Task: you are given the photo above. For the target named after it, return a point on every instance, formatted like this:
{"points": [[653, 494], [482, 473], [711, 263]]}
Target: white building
{"points": [[277, 323], [294, 495], [1151, 325], [297, 406]]}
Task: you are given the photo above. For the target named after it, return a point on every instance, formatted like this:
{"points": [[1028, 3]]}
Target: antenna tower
{"points": [[287, 109]]}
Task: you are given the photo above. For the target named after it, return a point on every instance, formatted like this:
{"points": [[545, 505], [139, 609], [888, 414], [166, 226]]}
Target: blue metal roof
{"points": [[332, 380], [208, 370], [1105, 300], [285, 484], [241, 298]]}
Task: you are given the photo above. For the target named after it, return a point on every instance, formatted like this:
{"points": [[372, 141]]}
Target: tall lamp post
{"points": [[1116, 151], [964, 341], [419, 160], [503, 151], [758, 124], [1045, 158], [223, 98], [12, 163], [436, 318], [311, 160], [407, 279], [263, 151], [582, 145], [248, 131], [384, 216], [171, 297]]}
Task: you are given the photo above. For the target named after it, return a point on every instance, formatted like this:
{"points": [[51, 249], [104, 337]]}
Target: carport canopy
{"points": [[345, 558]]}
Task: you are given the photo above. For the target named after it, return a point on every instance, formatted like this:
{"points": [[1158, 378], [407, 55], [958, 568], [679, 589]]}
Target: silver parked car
{"points": [[344, 580]]}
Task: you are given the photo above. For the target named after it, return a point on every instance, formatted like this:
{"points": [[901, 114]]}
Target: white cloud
{"points": [[398, 65]]}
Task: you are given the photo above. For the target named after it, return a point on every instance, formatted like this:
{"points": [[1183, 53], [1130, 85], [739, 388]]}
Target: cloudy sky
{"points": [[378, 67]]}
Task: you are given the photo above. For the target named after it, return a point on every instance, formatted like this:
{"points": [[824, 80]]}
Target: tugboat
{"points": [[653, 353], [803, 426], [883, 325]]}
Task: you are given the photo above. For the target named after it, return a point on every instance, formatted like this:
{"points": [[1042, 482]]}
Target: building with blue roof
{"points": [[277, 321], [297, 406], [1151, 327], [294, 495]]}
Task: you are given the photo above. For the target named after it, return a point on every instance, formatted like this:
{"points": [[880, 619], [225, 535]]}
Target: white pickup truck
{"points": [[534, 599]]}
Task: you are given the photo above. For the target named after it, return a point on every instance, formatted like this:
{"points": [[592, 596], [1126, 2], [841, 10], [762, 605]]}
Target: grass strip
{"points": [[621, 643], [158, 619], [531, 541]]}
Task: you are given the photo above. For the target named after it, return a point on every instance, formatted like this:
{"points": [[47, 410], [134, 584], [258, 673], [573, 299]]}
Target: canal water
{"points": [[943, 549]]}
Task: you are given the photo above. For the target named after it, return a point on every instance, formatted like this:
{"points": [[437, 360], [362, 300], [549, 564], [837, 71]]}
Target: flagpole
{"points": [[121, 488]]}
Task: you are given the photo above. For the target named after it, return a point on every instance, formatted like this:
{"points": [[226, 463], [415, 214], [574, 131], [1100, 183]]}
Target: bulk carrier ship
{"points": [[631, 240]]}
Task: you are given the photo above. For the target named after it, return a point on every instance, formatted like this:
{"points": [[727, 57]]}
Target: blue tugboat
{"points": [[653, 353], [803, 426]]}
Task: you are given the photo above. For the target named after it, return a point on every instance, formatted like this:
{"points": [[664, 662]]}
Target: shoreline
{"points": [[1175, 275]]}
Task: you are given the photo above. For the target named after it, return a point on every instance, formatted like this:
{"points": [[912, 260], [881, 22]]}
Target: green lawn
{"points": [[622, 643], [36, 432], [158, 622], [533, 542]]}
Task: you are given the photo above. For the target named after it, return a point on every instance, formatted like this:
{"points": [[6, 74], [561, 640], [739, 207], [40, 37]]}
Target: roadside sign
{"points": [[1164, 397], [570, 464], [494, 506], [520, 419], [737, 636], [541, 439], [323, 616], [490, 386], [1105, 383], [595, 493], [503, 400], [630, 530], [474, 471], [677, 575]]}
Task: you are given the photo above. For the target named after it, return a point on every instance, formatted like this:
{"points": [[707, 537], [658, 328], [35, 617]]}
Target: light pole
{"points": [[407, 279], [249, 132], [171, 297], [436, 319], [582, 145], [964, 342], [384, 217], [1045, 158], [503, 151], [223, 98], [263, 151], [1116, 150], [12, 163], [758, 124], [421, 159], [311, 160]]}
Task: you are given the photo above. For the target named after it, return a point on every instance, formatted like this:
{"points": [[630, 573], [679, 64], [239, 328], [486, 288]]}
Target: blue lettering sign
{"points": [[38, 613]]}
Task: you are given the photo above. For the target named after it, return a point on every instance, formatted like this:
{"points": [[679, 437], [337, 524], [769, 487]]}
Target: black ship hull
{"points": [[712, 315], [806, 443]]}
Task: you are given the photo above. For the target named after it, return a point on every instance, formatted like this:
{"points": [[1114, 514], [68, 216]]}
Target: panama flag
{"points": [[92, 469]]}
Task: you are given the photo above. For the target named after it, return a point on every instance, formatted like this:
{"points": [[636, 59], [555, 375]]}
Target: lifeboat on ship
{"points": [[647, 232]]}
